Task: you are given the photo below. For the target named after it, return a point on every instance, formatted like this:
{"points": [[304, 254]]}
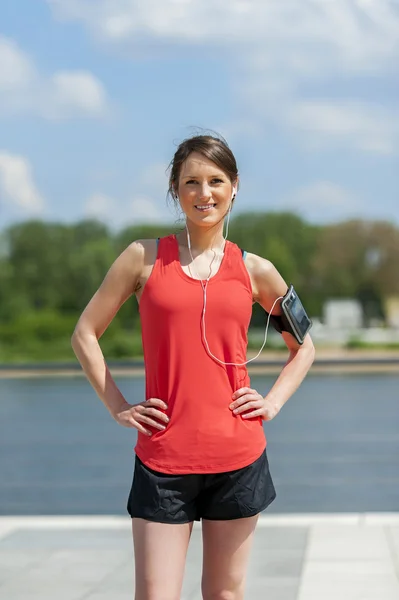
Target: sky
{"points": [[95, 96]]}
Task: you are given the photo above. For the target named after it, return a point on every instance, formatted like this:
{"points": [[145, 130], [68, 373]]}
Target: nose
{"points": [[205, 192]]}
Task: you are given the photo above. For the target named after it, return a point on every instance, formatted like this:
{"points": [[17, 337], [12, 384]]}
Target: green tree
{"points": [[49, 271]]}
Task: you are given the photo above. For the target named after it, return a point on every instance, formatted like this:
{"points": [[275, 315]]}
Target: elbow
{"points": [[76, 337], [310, 350], [74, 340], [307, 351], [82, 334], [313, 355]]}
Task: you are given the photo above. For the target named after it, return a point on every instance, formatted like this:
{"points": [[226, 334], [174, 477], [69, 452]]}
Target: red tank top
{"points": [[203, 435]]}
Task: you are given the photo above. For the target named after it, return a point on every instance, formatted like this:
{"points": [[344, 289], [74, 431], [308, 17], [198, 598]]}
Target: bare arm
{"points": [[267, 286], [119, 284]]}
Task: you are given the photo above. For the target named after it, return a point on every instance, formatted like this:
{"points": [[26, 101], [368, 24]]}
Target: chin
{"points": [[205, 220]]}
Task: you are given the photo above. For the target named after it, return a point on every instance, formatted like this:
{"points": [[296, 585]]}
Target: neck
{"points": [[202, 239]]}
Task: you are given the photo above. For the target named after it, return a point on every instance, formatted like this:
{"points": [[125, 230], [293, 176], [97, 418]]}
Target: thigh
{"points": [[160, 551], [226, 550]]}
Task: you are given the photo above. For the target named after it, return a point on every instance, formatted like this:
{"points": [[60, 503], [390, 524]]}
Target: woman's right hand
{"points": [[133, 415]]}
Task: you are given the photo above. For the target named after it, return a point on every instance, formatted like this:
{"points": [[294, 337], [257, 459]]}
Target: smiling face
{"points": [[204, 190]]}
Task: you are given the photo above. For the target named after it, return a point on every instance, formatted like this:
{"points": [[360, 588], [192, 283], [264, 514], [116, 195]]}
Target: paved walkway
{"points": [[295, 557]]}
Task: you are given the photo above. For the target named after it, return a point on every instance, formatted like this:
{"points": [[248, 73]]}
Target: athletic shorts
{"points": [[166, 498]]}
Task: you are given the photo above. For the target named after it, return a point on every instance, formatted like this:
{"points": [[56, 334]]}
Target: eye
{"points": [[215, 180]]}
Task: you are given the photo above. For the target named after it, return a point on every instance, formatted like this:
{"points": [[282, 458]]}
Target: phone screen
{"points": [[297, 310], [296, 314]]}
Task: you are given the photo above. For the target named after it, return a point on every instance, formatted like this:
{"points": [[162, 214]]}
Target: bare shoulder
{"points": [[120, 282], [148, 249], [140, 250], [137, 256], [127, 270], [267, 283], [257, 265]]}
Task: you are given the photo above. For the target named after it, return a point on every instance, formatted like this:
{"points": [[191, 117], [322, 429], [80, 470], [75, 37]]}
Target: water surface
{"points": [[333, 447]]}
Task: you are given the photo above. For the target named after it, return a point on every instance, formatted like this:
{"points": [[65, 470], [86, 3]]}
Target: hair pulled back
{"points": [[215, 148]]}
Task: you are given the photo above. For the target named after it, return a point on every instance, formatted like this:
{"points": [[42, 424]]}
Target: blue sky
{"points": [[94, 96]]}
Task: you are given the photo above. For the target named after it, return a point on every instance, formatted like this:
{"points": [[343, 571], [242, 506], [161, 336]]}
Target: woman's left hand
{"points": [[247, 399]]}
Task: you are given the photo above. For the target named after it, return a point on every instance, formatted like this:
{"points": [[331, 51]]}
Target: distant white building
{"points": [[343, 314], [392, 311]]}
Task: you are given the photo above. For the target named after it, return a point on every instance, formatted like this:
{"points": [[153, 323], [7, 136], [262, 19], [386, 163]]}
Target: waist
{"points": [[203, 438]]}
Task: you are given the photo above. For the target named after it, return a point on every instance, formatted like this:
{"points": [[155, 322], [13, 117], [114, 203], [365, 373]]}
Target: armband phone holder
{"points": [[294, 318]]}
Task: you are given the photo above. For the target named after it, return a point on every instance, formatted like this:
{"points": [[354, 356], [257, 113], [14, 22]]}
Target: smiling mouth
{"points": [[204, 207]]}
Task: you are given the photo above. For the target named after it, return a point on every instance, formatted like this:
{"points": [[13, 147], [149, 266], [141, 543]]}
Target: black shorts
{"points": [[168, 498]]}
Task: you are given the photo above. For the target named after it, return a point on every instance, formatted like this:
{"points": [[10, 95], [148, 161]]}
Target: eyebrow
{"points": [[196, 177]]}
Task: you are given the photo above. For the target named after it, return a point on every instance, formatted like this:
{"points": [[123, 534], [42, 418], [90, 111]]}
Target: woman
{"points": [[201, 449]]}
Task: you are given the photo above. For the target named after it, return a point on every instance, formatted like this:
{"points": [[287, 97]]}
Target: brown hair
{"points": [[214, 148]]}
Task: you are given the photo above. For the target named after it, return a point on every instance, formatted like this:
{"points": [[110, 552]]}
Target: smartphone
{"points": [[298, 322]]}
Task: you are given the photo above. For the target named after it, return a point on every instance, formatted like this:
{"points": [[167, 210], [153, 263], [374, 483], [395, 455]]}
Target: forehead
{"points": [[197, 164]]}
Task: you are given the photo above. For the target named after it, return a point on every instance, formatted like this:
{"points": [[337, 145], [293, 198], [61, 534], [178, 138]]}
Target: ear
{"points": [[235, 187]]}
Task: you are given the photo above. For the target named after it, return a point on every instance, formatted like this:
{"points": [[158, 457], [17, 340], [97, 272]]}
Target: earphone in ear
{"points": [[231, 203]]}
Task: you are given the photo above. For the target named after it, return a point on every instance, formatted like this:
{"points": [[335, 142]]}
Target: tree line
{"points": [[49, 271]]}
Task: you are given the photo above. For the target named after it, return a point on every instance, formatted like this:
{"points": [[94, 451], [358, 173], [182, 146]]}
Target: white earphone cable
{"points": [[204, 288]]}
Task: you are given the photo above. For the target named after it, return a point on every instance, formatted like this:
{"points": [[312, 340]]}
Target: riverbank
{"points": [[328, 360]]}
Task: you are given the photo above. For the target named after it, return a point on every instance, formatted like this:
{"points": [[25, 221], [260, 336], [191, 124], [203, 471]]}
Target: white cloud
{"points": [[64, 94], [144, 210], [77, 91], [17, 185], [100, 206], [323, 201], [362, 32], [138, 206], [279, 47], [356, 124], [16, 70], [121, 213]]}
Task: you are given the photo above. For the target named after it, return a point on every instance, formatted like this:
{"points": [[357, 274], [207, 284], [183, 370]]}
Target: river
{"points": [[334, 447]]}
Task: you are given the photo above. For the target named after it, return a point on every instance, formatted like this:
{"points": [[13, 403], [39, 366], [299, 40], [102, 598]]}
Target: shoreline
{"points": [[328, 361]]}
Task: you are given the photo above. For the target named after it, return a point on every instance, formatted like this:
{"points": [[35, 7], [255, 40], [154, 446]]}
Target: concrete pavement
{"points": [[295, 557]]}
